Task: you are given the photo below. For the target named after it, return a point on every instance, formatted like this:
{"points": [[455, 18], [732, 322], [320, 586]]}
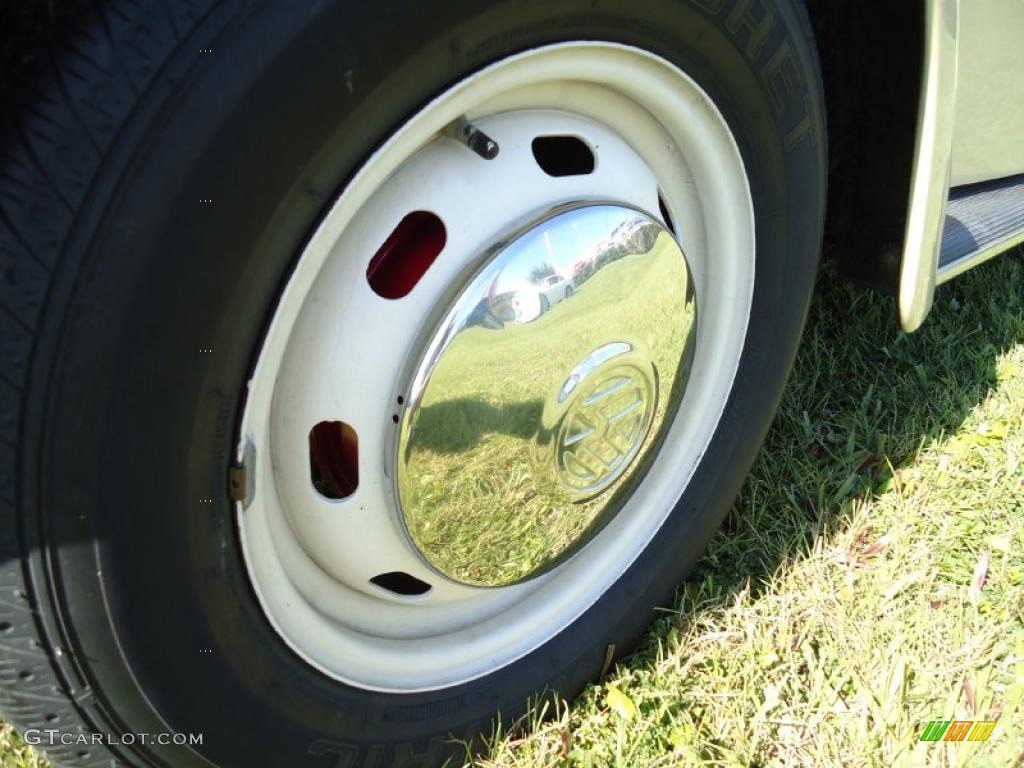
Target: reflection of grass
{"points": [[475, 463], [870, 577]]}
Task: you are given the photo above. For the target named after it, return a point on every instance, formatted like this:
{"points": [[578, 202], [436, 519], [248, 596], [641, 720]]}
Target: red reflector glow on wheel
{"points": [[406, 255]]}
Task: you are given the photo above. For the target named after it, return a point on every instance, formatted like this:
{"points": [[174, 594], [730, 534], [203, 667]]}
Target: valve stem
{"points": [[466, 133]]}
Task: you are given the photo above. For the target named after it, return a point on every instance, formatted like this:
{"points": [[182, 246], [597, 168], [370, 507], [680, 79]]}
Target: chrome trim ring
{"points": [[335, 350], [552, 399]]}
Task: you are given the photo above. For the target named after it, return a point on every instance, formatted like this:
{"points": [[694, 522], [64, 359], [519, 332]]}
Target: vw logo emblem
{"points": [[604, 428]]}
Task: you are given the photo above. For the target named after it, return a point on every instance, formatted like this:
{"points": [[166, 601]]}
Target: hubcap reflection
{"points": [[543, 392], [607, 405]]}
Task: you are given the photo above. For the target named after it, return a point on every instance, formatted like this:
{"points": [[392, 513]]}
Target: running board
{"points": [[982, 221]]}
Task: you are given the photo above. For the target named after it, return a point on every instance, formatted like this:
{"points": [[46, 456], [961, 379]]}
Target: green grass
{"points": [[14, 753], [870, 577], [839, 609]]}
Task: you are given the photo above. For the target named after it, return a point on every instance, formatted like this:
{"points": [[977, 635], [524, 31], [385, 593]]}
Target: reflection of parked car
{"points": [[520, 306], [553, 289]]}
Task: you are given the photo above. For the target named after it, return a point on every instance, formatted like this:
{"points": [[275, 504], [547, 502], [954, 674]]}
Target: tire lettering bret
{"points": [[780, 73], [801, 130], [782, 78], [758, 25]]}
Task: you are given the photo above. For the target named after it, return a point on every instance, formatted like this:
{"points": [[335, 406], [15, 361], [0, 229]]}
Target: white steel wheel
{"points": [[341, 579]]}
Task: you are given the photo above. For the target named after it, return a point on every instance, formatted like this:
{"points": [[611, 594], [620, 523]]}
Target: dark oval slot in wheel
{"points": [[334, 459], [401, 583], [406, 255], [665, 214], [563, 155]]}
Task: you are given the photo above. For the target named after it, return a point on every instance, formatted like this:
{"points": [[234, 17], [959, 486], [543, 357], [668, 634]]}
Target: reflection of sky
{"points": [[561, 242]]}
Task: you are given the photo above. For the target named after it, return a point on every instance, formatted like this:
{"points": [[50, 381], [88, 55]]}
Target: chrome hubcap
{"points": [[550, 378]]}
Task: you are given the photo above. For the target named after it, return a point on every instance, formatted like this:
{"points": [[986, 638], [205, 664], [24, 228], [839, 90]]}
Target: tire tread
{"points": [[66, 108]]}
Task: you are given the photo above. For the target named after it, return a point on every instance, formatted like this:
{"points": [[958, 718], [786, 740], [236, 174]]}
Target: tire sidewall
{"points": [[139, 424]]}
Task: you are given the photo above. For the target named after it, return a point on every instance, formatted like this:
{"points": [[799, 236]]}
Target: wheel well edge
{"points": [[872, 65]]}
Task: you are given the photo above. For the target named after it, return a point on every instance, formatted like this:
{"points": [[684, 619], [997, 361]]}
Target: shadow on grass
{"points": [[863, 400], [773, 655]]}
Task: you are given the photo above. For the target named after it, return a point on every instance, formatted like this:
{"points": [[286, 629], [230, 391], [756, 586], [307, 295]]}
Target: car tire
{"points": [[162, 171]]}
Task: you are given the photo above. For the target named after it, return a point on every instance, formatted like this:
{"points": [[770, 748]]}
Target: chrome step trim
{"points": [[933, 147], [982, 221]]}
